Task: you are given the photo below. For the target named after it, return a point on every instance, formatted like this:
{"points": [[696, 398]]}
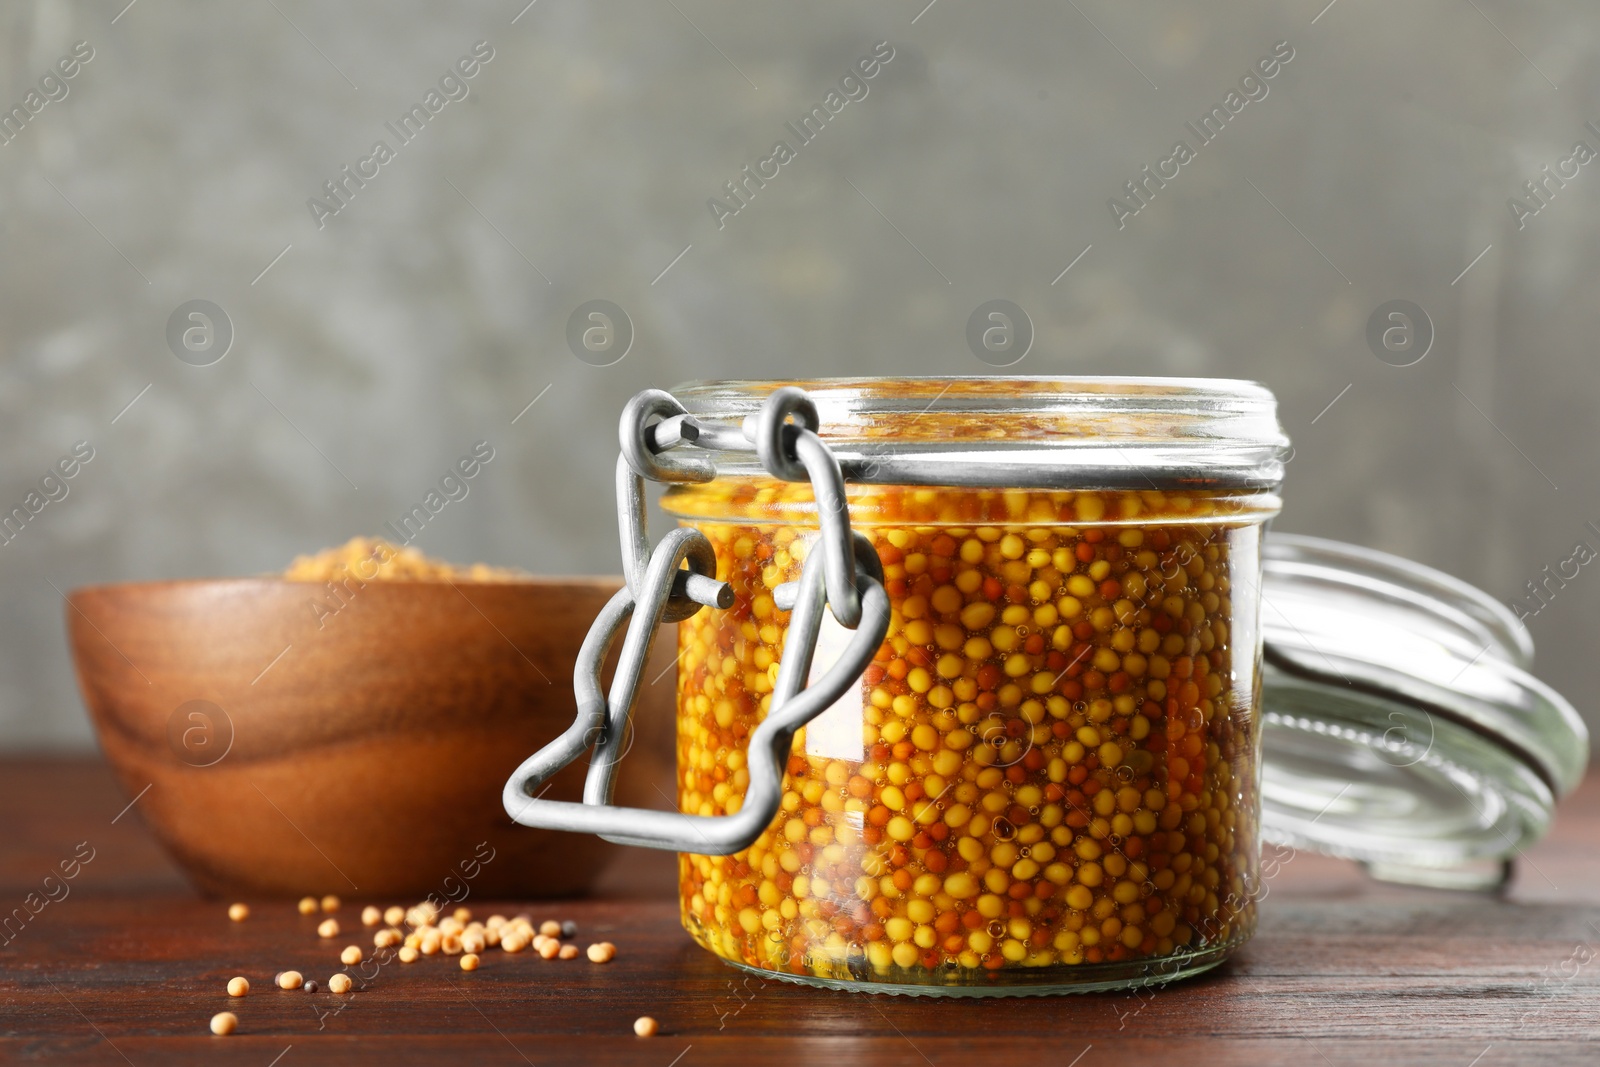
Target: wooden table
{"points": [[131, 965]]}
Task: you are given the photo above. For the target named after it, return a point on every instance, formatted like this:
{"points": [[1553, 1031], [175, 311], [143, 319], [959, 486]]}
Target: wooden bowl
{"points": [[284, 738]]}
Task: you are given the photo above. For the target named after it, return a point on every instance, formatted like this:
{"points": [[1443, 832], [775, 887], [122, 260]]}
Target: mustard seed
{"points": [[308, 905], [430, 942], [224, 1023], [569, 928], [568, 952], [408, 954], [385, 938], [463, 915], [238, 912], [645, 1026], [238, 987], [513, 942], [311, 986], [549, 949], [371, 916], [496, 921], [602, 952], [351, 955], [395, 915], [450, 944], [328, 928], [290, 980], [339, 983], [469, 962], [550, 928], [473, 941], [330, 903]]}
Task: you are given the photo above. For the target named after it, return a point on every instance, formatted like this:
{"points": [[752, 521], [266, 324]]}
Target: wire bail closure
{"points": [[675, 580]]}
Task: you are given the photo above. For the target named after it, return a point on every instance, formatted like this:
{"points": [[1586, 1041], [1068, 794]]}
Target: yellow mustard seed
{"points": [[645, 1026], [308, 905], [330, 903], [238, 912], [351, 955], [408, 954], [469, 962], [340, 983], [328, 928], [290, 980], [238, 987], [371, 916], [224, 1023]]}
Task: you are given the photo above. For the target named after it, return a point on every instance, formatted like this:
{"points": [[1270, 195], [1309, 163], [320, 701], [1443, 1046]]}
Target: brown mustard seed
{"points": [[328, 928], [408, 954], [371, 916], [308, 905], [238, 912], [568, 952], [224, 1023], [330, 903], [312, 986], [469, 962], [645, 1026], [290, 980], [238, 987], [339, 983], [351, 955]]}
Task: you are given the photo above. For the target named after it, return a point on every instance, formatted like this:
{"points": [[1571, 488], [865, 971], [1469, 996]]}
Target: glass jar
{"points": [[1099, 686], [1049, 776]]}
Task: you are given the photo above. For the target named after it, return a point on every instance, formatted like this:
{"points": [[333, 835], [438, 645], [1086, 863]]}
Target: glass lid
{"points": [[1401, 725]]}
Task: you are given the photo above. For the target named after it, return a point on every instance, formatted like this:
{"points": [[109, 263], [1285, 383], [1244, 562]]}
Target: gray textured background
{"points": [[425, 317]]}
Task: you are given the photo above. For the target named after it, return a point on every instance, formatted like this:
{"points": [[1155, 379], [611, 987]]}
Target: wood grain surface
{"points": [[130, 965]]}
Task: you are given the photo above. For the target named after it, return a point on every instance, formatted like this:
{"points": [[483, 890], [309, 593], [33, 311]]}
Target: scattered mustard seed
{"points": [[339, 983], [371, 916], [550, 928], [308, 905], [351, 955], [238, 987], [224, 1023], [330, 903], [290, 980], [408, 954], [238, 912], [328, 928], [469, 962], [645, 1026], [395, 916], [568, 952]]}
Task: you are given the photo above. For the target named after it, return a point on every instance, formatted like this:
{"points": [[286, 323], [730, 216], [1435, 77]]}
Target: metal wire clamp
{"points": [[672, 583]]}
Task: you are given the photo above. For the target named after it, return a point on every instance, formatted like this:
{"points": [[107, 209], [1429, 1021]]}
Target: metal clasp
{"points": [[846, 576]]}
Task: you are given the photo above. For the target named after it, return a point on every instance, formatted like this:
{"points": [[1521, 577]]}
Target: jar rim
{"points": [[1048, 432]]}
